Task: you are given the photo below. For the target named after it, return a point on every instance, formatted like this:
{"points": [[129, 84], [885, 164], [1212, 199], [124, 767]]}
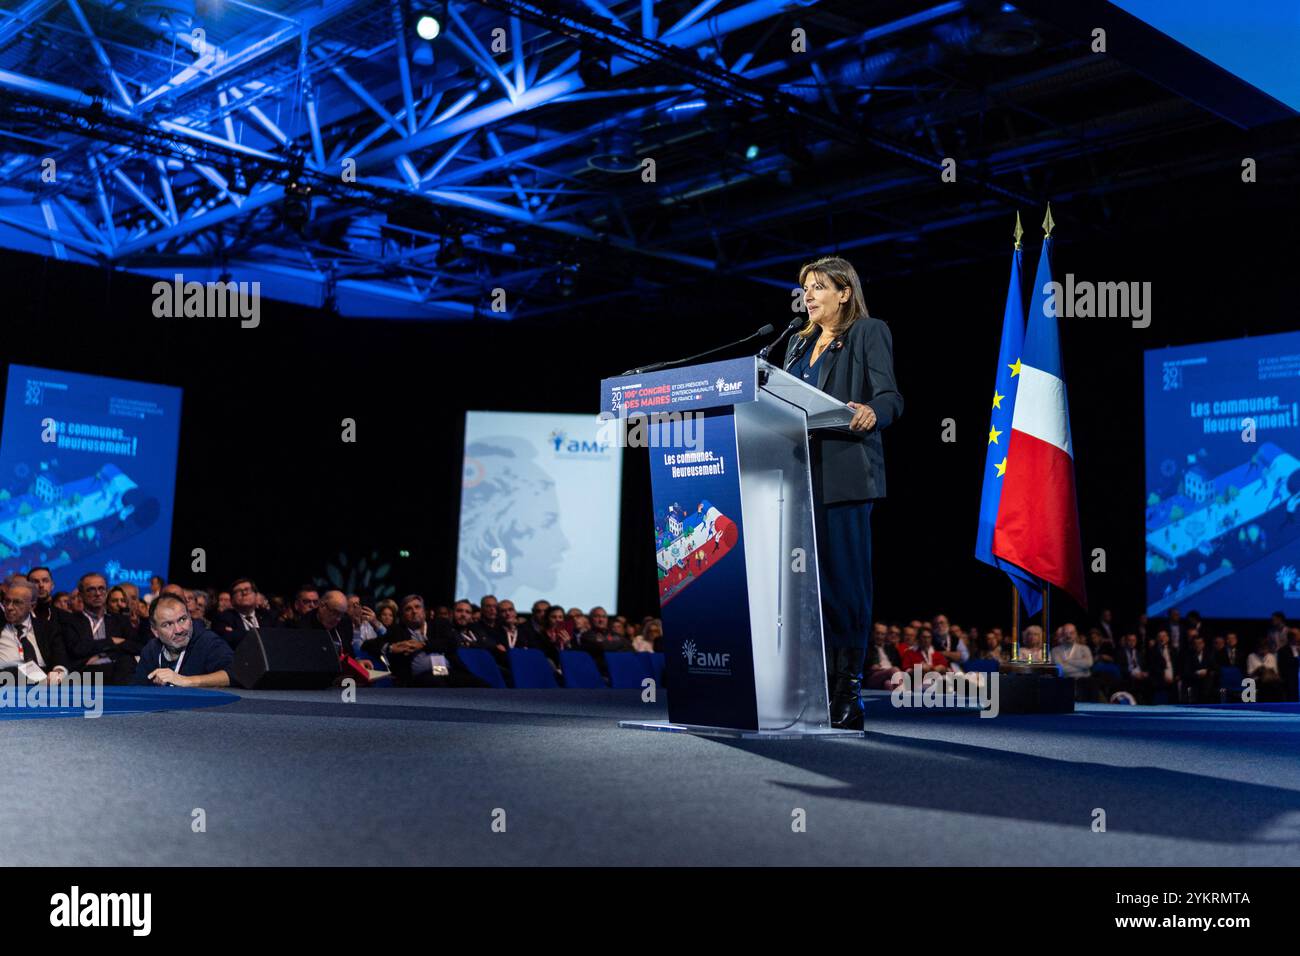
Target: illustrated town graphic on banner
{"points": [[688, 544]]}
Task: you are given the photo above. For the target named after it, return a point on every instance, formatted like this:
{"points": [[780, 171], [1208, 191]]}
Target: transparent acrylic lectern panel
{"points": [[784, 594]]}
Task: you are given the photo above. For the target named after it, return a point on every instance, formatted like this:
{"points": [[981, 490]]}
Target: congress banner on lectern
{"points": [[700, 561]]}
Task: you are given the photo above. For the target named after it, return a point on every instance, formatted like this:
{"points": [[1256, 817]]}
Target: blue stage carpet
{"points": [[415, 777], [119, 700]]}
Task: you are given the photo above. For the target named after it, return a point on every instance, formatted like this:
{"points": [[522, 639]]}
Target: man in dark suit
{"points": [[305, 601], [25, 637], [1132, 667], [42, 581], [420, 655], [96, 640], [1106, 627], [331, 616], [1199, 674], [488, 625], [1232, 655], [1288, 664], [533, 630], [243, 615], [463, 632], [1162, 666], [598, 640]]}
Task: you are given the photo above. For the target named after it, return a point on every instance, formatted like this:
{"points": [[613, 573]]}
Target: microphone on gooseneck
{"points": [[765, 330], [795, 323]]}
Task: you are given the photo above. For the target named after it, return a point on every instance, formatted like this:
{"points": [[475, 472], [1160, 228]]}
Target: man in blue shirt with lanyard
{"points": [[183, 653]]}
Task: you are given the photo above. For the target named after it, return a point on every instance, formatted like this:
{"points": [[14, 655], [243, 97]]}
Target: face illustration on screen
{"points": [[510, 520]]}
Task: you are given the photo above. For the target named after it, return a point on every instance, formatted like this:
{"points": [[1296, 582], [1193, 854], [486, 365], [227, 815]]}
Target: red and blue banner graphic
{"points": [[703, 589]]}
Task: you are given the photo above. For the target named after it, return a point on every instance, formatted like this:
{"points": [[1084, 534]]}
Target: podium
{"points": [[735, 541]]}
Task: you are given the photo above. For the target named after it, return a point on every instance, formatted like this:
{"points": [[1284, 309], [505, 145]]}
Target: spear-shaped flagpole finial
{"points": [[1019, 230], [1048, 223]]}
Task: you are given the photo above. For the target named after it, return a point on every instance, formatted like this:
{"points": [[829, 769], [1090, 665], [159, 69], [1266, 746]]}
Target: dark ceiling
{"points": [[211, 139]]}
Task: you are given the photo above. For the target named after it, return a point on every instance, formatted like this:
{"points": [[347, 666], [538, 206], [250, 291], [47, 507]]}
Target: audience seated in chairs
{"points": [[420, 656], [106, 627]]}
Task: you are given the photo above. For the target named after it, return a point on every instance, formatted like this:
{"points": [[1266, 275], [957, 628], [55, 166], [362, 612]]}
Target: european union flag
{"points": [[999, 436]]}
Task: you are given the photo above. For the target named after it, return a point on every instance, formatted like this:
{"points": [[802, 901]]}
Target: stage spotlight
{"points": [[451, 249], [565, 282], [427, 25], [751, 153], [593, 67]]}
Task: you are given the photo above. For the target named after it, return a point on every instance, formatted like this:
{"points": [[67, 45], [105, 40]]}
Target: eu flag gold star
{"points": [[993, 436], [997, 399], [1015, 369], [1001, 467]]}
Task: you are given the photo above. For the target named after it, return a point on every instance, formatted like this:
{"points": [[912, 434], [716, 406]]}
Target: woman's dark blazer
{"points": [[852, 464]]}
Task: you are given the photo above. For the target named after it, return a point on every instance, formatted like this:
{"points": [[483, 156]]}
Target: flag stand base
{"points": [[1034, 688]]}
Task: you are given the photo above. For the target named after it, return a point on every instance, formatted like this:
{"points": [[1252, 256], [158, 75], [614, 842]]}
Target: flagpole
{"points": [[1047, 623], [1015, 622], [1048, 225], [1015, 594]]}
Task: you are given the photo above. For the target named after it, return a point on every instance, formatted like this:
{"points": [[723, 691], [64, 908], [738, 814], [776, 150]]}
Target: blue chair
{"points": [[660, 662], [530, 669], [580, 670], [980, 665], [627, 669], [480, 663]]}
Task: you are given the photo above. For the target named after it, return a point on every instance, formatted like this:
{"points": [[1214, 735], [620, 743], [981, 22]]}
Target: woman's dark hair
{"points": [[842, 275]]}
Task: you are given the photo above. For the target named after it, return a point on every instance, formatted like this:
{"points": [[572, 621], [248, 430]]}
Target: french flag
{"points": [[1037, 526]]}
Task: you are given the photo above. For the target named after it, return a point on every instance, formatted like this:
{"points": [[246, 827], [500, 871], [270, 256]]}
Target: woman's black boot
{"points": [[846, 704]]}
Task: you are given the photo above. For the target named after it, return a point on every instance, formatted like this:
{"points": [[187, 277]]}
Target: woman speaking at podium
{"points": [[850, 356]]}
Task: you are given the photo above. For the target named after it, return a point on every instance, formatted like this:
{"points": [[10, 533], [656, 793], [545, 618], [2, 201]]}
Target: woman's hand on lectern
{"points": [[864, 418]]}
